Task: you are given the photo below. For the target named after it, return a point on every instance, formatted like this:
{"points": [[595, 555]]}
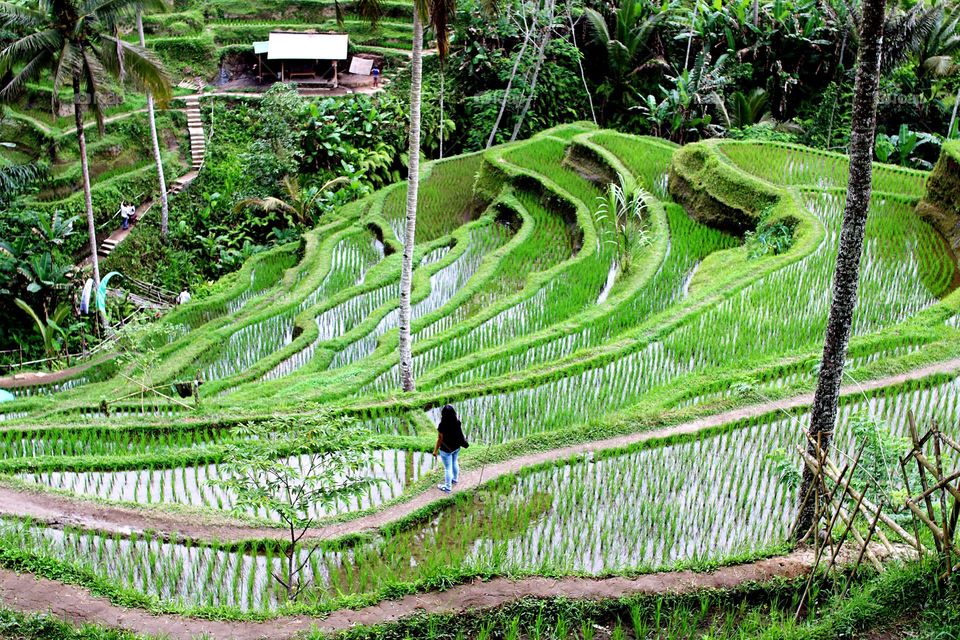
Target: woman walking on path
{"points": [[450, 439]]}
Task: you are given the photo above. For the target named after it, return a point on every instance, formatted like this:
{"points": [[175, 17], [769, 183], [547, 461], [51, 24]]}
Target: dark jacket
{"points": [[452, 433]]}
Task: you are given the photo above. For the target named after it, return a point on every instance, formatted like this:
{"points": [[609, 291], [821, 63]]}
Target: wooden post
{"points": [[915, 438]]}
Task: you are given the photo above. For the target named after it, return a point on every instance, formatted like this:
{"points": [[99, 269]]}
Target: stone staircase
{"points": [[198, 143], [198, 148], [107, 247]]}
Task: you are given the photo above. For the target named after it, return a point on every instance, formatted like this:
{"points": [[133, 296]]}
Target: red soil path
{"points": [[28, 594]]}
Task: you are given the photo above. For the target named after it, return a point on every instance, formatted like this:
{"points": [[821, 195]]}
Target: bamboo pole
{"points": [[856, 565], [917, 455], [884, 518]]}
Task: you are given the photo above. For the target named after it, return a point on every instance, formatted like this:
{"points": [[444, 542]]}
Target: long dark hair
{"points": [[448, 415]]}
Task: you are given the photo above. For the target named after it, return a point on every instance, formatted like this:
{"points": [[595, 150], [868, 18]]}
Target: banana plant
{"points": [[51, 333]]}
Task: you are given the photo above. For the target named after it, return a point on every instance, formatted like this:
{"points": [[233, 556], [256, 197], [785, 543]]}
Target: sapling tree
{"points": [[295, 467]]}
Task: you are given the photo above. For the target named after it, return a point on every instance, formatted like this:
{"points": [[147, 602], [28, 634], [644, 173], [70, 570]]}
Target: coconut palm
{"points": [[437, 13], [75, 41], [823, 412]]}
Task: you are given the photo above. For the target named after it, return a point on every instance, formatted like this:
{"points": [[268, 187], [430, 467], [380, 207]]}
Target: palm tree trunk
{"points": [[164, 207], [506, 92], [823, 413], [413, 183], [87, 194], [441, 109]]}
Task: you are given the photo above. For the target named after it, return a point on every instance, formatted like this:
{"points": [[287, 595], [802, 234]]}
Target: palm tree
{"points": [[300, 203], [161, 178], [75, 41], [939, 52], [628, 40], [823, 412], [438, 13]]}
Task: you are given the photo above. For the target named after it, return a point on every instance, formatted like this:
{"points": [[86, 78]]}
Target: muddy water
{"points": [[394, 469]]}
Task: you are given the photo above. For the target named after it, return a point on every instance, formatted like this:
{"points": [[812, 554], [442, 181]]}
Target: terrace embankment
{"points": [[29, 594], [714, 192], [941, 204]]}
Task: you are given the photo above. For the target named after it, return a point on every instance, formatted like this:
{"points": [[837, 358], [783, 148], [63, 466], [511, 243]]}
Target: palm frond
{"points": [[15, 178], [269, 204], [110, 12], [141, 66], [65, 68], [941, 66], [27, 47], [904, 34], [598, 26], [94, 78], [21, 17], [370, 10], [326, 186], [29, 72]]}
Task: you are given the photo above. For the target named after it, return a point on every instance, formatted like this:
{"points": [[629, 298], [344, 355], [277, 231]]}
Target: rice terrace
{"points": [[479, 320]]}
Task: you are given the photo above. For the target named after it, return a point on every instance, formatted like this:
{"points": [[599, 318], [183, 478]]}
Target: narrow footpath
{"points": [[28, 594]]}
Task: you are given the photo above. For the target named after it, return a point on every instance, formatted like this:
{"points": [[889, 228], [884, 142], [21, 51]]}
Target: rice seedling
{"points": [[444, 284], [689, 243], [648, 159], [893, 287], [787, 164], [105, 441], [48, 389], [192, 485], [544, 302], [699, 499], [446, 200]]}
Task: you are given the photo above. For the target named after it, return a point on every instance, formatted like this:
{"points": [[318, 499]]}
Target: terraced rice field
{"points": [[524, 321]]}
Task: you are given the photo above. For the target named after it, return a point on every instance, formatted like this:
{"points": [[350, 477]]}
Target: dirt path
{"points": [[31, 378], [29, 594], [62, 510]]}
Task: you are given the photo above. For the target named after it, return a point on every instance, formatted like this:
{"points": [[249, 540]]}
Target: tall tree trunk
{"points": [[693, 25], [541, 56], [506, 92], [441, 109], [164, 207], [413, 184], [87, 195], [583, 77], [823, 413]]}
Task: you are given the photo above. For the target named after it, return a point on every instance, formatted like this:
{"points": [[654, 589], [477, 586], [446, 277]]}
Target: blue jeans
{"points": [[451, 470]]}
